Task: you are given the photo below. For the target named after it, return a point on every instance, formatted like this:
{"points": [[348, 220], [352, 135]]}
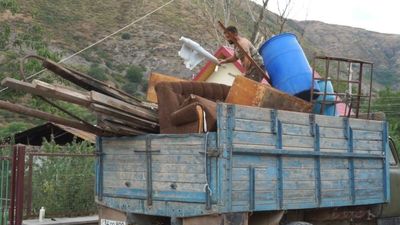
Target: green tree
{"points": [[64, 185], [389, 102], [13, 128]]}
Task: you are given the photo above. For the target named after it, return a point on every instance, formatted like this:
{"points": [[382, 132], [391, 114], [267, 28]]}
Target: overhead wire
{"points": [[99, 41]]}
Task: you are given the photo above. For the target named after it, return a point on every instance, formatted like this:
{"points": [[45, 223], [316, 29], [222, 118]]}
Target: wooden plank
{"points": [[263, 114], [123, 145], [87, 82], [337, 184], [123, 106], [49, 117], [247, 92], [179, 186], [334, 174], [297, 163], [289, 195], [303, 174], [255, 161], [135, 184], [47, 90], [119, 127], [298, 185], [179, 177], [303, 130], [368, 164], [154, 79], [122, 115], [63, 93], [112, 176]]}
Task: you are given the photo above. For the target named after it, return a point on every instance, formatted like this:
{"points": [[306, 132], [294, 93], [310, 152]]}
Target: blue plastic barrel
{"points": [[327, 102], [287, 65]]}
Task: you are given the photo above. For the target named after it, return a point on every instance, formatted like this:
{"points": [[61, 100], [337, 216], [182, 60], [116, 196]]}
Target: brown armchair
{"points": [[188, 107]]}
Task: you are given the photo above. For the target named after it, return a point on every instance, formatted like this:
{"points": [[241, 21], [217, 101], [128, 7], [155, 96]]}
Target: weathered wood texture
{"points": [[169, 167], [115, 116], [259, 160], [248, 92], [287, 160]]}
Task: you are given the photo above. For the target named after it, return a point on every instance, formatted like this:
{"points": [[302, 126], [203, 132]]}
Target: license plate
{"points": [[112, 222]]}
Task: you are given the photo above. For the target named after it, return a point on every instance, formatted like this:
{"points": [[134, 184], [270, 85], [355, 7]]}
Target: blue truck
{"points": [[261, 166]]}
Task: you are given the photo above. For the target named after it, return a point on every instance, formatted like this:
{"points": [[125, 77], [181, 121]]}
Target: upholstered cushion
{"points": [[172, 96]]}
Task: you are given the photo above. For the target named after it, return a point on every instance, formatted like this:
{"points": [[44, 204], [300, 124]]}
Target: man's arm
{"points": [[228, 60]]}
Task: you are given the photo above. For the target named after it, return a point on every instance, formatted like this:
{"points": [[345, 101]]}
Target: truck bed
{"points": [[258, 160]]}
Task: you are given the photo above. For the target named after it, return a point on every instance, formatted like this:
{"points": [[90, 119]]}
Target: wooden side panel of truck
{"points": [[258, 160]]}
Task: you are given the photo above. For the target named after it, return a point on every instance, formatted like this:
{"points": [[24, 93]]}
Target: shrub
{"points": [[97, 72], [126, 36], [130, 88], [64, 185], [135, 74]]}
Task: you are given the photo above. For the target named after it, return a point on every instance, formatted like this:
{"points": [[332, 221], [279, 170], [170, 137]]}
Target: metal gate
{"points": [[5, 176]]}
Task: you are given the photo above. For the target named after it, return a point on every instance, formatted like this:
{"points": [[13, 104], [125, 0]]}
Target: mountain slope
{"points": [[349, 42]]}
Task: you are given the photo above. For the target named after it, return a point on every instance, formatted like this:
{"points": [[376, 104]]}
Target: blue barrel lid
{"points": [[274, 38]]}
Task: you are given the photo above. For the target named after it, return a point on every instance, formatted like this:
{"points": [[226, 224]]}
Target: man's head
{"points": [[230, 33]]}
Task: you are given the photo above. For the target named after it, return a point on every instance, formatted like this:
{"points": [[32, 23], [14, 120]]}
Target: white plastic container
{"points": [[42, 213]]}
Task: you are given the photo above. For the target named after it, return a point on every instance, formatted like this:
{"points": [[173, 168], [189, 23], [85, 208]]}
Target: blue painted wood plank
{"points": [[386, 171], [195, 197]]}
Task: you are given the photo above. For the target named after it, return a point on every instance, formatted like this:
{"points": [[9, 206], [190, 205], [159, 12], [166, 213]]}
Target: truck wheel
{"points": [[299, 223]]}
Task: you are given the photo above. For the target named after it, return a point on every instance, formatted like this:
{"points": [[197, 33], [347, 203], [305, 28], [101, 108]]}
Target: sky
{"points": [[381, 16]]}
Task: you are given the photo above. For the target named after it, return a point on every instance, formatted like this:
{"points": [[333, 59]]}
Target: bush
{"points": [[126, 36], [97, 72], [130, 88], [13, 128], [135, 74], [64, 185]]}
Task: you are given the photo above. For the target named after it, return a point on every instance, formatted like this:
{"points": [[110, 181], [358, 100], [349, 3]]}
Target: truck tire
{"points": [[298, 223]]}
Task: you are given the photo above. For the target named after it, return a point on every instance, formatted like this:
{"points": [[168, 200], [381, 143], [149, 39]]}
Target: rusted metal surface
{"points": [[28, 186], [17, 185], [359, 213], [340, 75]]}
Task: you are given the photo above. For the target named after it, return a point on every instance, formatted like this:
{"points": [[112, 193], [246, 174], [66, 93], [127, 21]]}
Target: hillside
{"points": [[57, 29], [381, 49]]}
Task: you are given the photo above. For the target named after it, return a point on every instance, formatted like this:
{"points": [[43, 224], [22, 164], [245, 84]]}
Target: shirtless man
{"points": [[251, 71]]}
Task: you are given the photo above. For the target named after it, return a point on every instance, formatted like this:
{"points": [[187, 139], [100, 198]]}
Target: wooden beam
{"points": [[63, 93], [133, 125], [87, 82], [49, 91], [121, 128], [49, 117], [139, 122], [137, 111]]}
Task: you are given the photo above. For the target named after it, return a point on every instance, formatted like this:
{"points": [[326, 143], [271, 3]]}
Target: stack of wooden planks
{"points": [[118, 113], [115, 117]]}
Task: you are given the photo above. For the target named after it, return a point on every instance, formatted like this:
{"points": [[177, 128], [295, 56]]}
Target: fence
{"points": [[61, 179], [5, 176], [62, 183]]}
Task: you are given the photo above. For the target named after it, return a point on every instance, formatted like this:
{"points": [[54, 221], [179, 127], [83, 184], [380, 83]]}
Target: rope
{"points": [[206, 184], [99, 41]]}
